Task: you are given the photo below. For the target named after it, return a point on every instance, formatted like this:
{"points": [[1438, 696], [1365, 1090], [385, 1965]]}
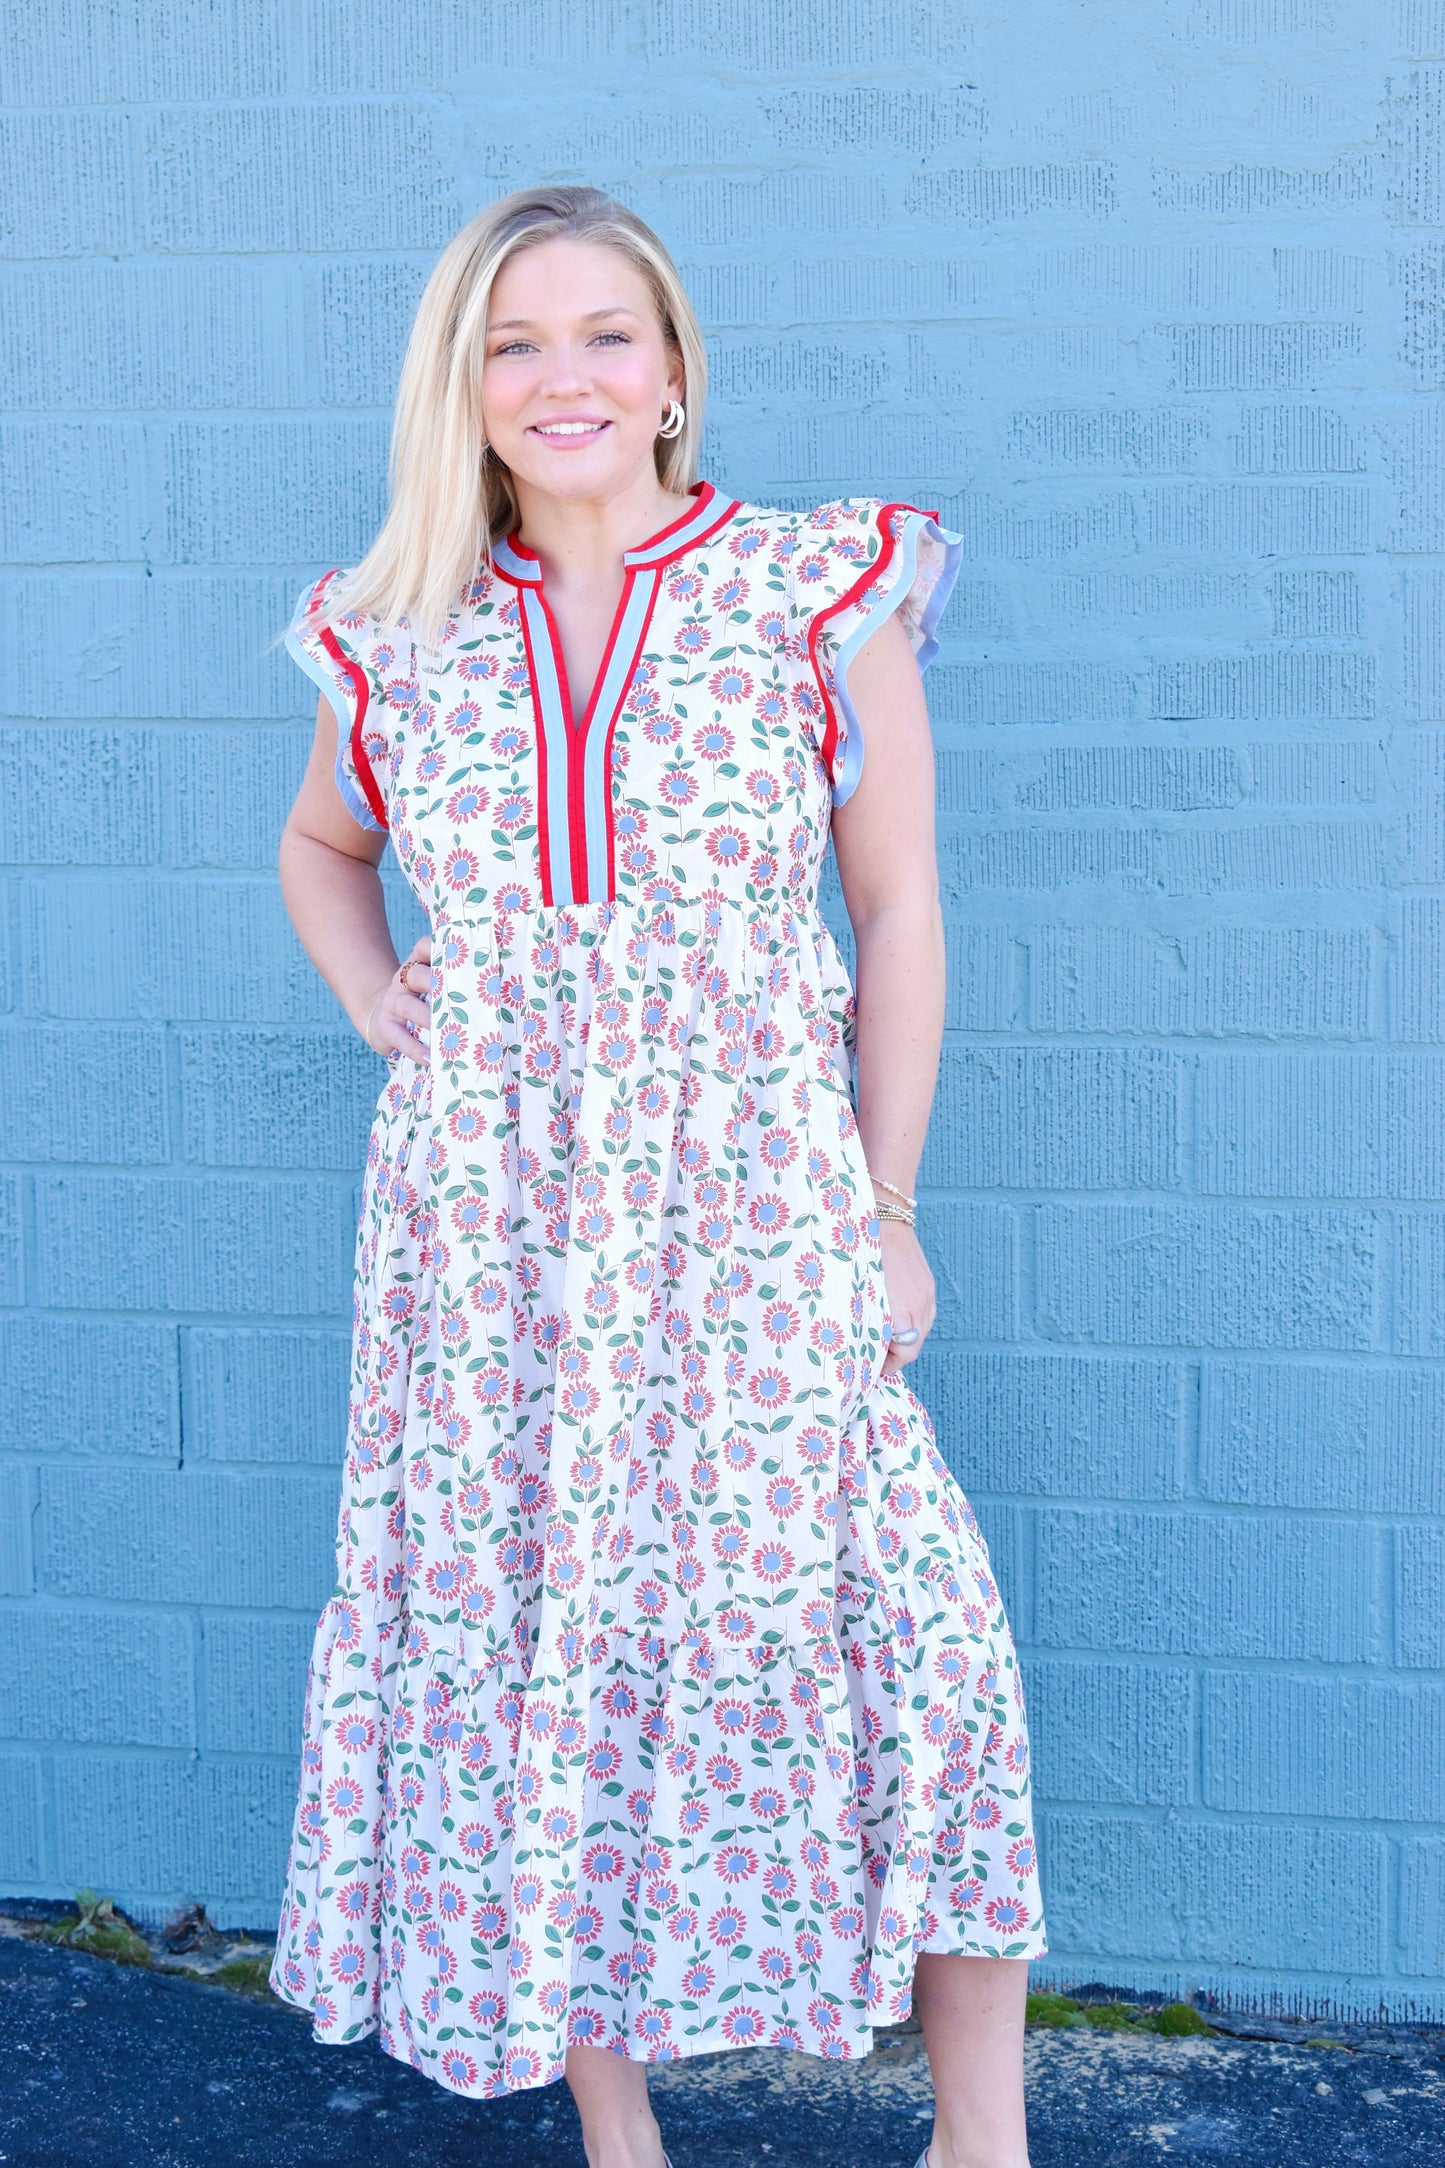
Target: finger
{"points": [[907, 1336]]}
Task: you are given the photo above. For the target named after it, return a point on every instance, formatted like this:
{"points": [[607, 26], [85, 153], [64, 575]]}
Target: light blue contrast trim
{"points": [[609, 699], [882, 604], [552, 722], [320, 675]]}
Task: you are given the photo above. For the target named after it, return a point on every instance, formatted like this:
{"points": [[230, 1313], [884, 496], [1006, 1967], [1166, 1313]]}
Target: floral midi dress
{"points": [[666, 1701]]}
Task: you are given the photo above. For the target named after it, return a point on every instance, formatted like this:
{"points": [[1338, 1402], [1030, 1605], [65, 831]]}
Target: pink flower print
{"points": [[727, 1926], [698, 1982], [1006, 1915], [773, 1562], [730, 684]]}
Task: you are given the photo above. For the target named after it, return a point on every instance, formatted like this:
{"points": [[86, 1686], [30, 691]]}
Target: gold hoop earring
{"points": [[674, 419]]}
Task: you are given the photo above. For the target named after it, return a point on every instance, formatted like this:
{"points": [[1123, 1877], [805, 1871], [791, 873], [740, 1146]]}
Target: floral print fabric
{"points": [[666, 1700]]}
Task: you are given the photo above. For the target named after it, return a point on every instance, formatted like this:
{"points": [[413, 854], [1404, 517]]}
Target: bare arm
{"points": [[887, 859], [332, 890]]}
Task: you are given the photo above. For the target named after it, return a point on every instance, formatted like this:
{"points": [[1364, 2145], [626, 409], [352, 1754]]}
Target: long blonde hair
{"points": [[450, 495]]}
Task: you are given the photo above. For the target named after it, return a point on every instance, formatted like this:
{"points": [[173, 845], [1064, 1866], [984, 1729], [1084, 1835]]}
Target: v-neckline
{"points": [[576, 840], [521, 565]]}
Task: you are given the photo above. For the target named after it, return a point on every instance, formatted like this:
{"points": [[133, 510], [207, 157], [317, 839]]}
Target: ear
{"points": [[676, 379]]}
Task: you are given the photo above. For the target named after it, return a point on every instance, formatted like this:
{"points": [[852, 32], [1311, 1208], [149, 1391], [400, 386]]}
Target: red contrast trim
{"points": [[868, 578], [612, 732], [539, 740], [359, 686]]}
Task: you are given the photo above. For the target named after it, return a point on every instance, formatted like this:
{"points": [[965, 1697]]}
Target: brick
{"points": [[10, 1261], [1419, 1612], [1015, 1118], [853, 287], [1423, 657], [863, 451], [733, 212], [1270, 858], [276, 1098], [1414, 448], [1244, 189], [297, 177], [1329, 1436], [1255, 357], [1117, 440], [1285, 983], [814, 34], [381, 292], [976, 1263], [1320, 281], [1032, 692], [996, 527], [81, 797], [1256, 519], [167, 950], [1422, 1905], [190, 647], [1111, 1734], [158, 335], [1414, 181], [17, 1571], [1148, 279], [66, 178], [1312, 774], [1323, 687], [1058, 1426], [22, 1817], [807, 371], [1419, 1323], [987, 195], [1085, 598], [361, 46], [253, 1683], [96, 1094], [1315, 605], [232, 792], [70, 491], [1321, 1125], [92, 1386], [108, 55], [80, 1676], [117, 1242], [980, 965], [1206, 1584], [1421, 760], [1041, 858], [263, 1394], [1418, 276], [1347, 1749], [1137, 1889], [1297, 440], [331, 508], [1232, 1276], [251, 1542], [910, 123], [1134, 778], [153, 1829], [1419, 984]]}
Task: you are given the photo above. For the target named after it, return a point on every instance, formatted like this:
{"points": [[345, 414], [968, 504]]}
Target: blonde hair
{"points": [[450, 496]]}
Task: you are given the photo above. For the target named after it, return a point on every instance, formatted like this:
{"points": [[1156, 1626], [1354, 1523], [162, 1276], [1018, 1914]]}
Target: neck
{"points": [[585, 538]]}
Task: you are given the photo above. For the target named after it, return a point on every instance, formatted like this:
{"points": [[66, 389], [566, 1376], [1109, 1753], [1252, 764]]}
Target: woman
{"points": [[665, 1702]]}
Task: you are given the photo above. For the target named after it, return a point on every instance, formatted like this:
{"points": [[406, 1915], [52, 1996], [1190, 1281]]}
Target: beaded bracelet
{"points": [[880, 1183]]}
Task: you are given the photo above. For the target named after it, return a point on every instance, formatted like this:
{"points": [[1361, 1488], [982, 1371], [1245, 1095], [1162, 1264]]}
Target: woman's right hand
{"points": [[399, 1019]]}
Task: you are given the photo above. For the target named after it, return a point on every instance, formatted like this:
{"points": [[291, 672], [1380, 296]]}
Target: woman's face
{"points": [[576, 377]]}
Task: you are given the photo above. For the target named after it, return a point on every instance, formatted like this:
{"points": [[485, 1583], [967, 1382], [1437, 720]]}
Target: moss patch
{"points": [[1175, 2019]]}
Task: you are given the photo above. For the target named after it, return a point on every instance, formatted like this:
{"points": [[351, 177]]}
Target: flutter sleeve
{"points": [[348, 660], [856, 562]]}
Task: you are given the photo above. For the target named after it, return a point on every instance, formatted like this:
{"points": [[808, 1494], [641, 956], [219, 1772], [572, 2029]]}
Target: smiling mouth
{"points": [[568, 432]]}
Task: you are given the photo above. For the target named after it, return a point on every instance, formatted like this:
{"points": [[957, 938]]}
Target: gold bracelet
{"points": [[895, 1212]]}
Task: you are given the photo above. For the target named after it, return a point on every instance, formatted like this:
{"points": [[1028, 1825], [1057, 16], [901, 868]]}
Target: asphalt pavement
{"points": [[108, 2066]]}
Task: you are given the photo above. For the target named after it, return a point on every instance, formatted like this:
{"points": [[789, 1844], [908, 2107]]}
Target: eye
{"points": [[513, 346], [621, 336]]}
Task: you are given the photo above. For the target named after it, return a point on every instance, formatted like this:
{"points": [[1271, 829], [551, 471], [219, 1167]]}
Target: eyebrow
{"points": [[524, 323]]}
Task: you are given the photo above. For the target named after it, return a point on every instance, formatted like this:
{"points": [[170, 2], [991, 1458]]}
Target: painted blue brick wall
{"points": [[1149, 299]]}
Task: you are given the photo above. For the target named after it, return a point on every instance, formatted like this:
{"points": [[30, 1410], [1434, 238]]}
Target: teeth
{"points": [[567, 429]]}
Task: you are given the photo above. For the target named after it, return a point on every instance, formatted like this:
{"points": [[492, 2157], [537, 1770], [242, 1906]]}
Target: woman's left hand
{"points": [[909, 1286]]}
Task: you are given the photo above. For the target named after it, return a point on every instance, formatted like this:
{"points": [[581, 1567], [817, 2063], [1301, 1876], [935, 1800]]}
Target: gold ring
{"points": [[402, 973]]}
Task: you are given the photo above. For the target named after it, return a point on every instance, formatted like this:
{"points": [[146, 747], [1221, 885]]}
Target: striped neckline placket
{"points": [[576, 840]]}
